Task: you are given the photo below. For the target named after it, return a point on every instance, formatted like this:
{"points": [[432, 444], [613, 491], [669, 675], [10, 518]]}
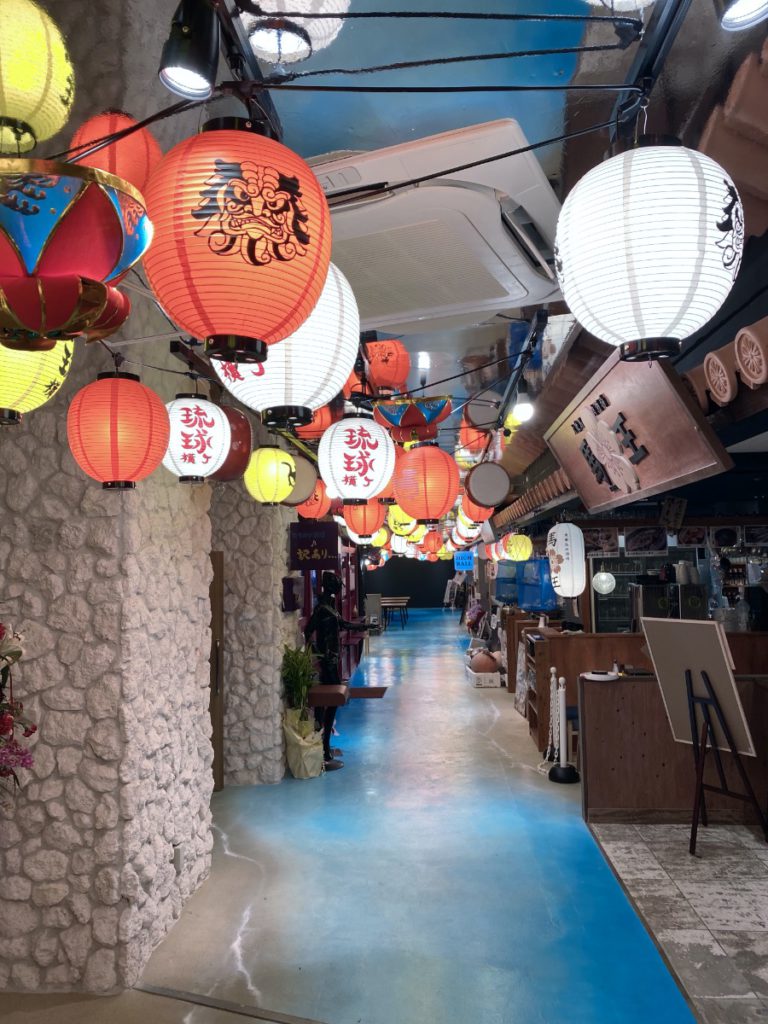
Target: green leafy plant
{"points": [[298, 674]]}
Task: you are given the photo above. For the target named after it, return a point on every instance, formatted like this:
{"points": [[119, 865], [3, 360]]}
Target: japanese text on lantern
{"points": [[197, 440], [357, 452]]}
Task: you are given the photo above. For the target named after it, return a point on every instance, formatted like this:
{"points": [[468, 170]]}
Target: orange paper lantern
{"points": [[388, 363], [132, 158], [471, 509], [432, 542], [317, 505], [470, 438], [322, 418], [242, 240], [426, 483], [118, 430], [364, 520]]}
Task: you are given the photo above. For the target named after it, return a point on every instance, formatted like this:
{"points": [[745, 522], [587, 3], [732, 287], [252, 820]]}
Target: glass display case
{"points": [[612, 613]]}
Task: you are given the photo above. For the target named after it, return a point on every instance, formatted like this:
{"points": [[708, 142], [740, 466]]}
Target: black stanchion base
{"points": [[563, 773]]}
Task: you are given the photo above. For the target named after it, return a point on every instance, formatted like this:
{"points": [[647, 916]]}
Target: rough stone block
{"points": [[48, 894], [46, 865], [15, 887]]}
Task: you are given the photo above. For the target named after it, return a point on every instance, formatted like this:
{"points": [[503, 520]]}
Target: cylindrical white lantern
{"points": [[399, 544], [603, 582], [200, 438], [567, 566], [648, 247], [308, 368], [279, 40], [356, 457]]}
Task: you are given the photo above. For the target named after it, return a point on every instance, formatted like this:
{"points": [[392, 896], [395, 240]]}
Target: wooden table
{"points": [[395, 604]]}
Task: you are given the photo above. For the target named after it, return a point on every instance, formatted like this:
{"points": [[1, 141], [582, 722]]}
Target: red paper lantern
{"points": [[426, 483], [470, 438], [240, 446], [317, 505], [118, 430], [432, 542], [242, 240], [388, 364], [131, 158], [477, 513], [322, 418], [364, 520]]}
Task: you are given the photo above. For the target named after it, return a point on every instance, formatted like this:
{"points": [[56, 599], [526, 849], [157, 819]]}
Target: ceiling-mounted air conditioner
{"points": [[449, 252]]}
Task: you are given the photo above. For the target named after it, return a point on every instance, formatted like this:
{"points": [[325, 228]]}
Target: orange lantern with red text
{"points": [[317, 505], [426, 483], [131, 158], [118, 430], [242, 240], [388, 364], [432, 542], [364, 520]]}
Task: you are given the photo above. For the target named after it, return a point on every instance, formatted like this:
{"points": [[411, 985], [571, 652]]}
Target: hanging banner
{"points": [[463, 561], [631, 432], [314, 545]]}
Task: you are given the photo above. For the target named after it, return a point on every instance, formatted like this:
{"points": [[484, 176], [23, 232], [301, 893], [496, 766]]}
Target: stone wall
{"points": [[254, 540]]}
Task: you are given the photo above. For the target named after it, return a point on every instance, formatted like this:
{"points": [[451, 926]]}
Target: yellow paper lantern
{"points": [[517, 547], [381, 537], [37, 80], [418, 534], [400, 523], [271, 475], [29, 379]]}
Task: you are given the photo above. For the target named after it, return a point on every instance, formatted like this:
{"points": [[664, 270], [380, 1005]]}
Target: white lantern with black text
{"points": [[356, 457], [648, 247], [200, 438], [308, 368], [567, 566]]}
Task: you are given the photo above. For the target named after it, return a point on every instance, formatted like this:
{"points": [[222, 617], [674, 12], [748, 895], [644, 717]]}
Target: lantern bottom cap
{"points": [[191, 479], [119, 485], [387, 501], [354, 501], [286, 416], [428, 522], [9, 417], [235, 348], [647, 349]]}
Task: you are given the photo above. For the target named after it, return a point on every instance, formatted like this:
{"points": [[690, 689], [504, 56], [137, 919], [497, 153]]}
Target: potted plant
{"points": [[304, 745]]}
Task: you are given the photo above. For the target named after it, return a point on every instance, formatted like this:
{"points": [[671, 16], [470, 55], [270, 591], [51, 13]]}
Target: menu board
{"points": [[646, 540], [601, 541]]}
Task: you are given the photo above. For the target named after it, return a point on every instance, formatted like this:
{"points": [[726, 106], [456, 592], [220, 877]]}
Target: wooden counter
{"points": [[631, 768]]}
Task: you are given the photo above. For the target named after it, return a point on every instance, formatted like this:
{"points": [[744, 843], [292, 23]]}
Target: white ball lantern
{"points": [[356, 457], [308, 368], [567, 566], [603, 582], [648, 247], [200, 438], [276, 39]]}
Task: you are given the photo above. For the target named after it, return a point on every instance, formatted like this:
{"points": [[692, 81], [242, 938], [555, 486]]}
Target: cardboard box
{"points": [[483, 679]]}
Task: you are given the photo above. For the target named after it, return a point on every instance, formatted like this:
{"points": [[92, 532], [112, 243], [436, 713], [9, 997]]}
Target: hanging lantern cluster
{"points": [[356, 457], [648, 246], [242, 240], [118, 430], [426, 483], [37, 81], [306, 370]]}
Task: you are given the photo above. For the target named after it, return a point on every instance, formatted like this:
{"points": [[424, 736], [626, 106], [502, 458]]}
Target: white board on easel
{"points": [[677, 645]]}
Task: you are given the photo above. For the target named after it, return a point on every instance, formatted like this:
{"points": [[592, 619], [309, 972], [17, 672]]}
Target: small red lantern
{"points": [[322, 418], [240, 446], [470, 438], [388, 364], [242, 240], [131, 158], [471, 509], [426, 483], [364, 520], [317, 505], [413, 419], [432, 542], [118, 430]]}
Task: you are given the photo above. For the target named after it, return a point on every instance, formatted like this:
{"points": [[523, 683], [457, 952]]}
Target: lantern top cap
{"points": [[620, 146], [236, 124], [192, 394], [15, 167], [118, 375]]}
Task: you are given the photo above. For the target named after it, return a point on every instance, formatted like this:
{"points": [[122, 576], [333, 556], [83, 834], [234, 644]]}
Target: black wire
{"points": [[612, 19], [417, 90], [406, 65]]}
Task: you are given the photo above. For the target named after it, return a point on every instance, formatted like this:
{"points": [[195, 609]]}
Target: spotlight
{"points": [[744, 14], [191, 54], [523, 408]]}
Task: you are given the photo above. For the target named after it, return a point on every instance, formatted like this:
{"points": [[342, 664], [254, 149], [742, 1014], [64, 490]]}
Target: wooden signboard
{"points": [[631, 432], [314, 545]]}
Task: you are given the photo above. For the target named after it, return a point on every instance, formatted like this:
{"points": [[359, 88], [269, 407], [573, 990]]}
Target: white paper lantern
{"points": [[399, 544], [308, 368], [200, 438], [356, 457], [648, 246], [567, 566], [603, 582], [278, 40]]}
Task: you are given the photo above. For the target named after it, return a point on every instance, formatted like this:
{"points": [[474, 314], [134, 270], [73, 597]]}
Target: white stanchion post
{"points": [[562, 772]]}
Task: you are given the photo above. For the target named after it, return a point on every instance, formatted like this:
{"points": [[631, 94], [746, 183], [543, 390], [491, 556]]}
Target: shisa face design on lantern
{"points": [[732, 226], [255, 211]]}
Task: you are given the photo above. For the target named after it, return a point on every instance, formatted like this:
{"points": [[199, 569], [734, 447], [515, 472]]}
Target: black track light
{"points": [[191, 54]]}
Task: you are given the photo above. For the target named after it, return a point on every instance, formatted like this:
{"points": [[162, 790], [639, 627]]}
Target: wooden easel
{"points": [[704, 738]]}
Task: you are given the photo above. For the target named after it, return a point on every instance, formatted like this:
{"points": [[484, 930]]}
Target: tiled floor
{"points": [[709, 913]]}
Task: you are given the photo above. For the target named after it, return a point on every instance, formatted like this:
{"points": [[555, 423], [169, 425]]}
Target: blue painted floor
{"points": [[436, 879]]}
